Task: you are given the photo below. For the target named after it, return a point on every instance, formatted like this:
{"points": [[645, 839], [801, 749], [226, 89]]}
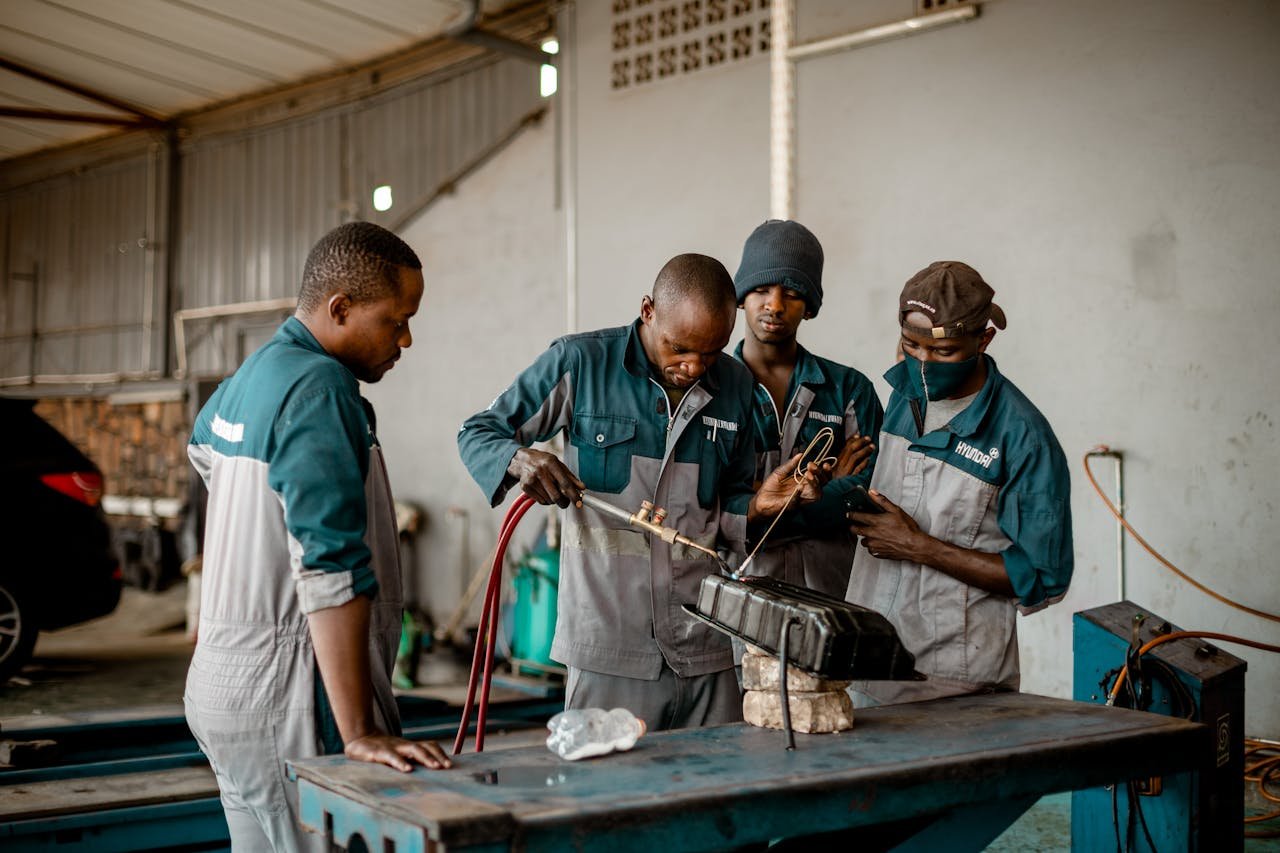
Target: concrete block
{"points": [[760, 672], [811, 713]]}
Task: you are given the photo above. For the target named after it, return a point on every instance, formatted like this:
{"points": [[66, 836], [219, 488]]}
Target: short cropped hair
{"points": [[359, 259], [697, 278]]}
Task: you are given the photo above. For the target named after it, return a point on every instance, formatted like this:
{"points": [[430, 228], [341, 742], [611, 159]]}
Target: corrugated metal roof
{"points": [[217, 205], [167, 57]]}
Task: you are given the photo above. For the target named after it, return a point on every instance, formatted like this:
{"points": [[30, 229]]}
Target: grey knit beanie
{"points": [[782, 252]]}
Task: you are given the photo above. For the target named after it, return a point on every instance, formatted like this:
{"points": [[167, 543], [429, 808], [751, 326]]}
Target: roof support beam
{"points": [[82, 91], [82, 118], [465, 30]]}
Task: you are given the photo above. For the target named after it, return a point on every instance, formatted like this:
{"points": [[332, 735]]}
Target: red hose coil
{"points": [[487, 631]]}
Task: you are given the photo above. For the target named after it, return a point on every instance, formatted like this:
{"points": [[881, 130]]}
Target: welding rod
{"points": [[641, 520]]}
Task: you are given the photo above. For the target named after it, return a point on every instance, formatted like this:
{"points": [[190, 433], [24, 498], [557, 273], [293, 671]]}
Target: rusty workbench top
{"points": [[720, 786]]}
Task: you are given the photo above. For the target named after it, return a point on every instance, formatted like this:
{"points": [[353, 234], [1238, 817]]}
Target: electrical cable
{"points": [[1135, 806], [824, 438], [1115, 817], [1135, 695], [1178, 635], [1154, 553]]}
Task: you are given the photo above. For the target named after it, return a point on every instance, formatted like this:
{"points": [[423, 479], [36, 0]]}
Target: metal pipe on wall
{"points": [[465, 30], [147, 244], [181, 317], [882, 32], [172, 196], [1121, 568], [567, 112], [783, 55], [782, 101]]}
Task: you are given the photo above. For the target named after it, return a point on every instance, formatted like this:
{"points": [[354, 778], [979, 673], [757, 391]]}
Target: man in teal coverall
{"points": [[976, 493], [301, 603]]}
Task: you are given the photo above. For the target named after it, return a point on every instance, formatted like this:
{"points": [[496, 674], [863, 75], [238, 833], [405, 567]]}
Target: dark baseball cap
{"points": [[953, 296]]}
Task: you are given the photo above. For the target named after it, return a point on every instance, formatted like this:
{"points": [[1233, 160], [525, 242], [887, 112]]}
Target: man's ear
{"points": [[646, 309], [808, 315], [987, 334], [338, 307]]}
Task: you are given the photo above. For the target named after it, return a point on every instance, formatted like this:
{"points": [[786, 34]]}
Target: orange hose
{"points": [[1170, 566], [1261, 772], [1178, 635]]}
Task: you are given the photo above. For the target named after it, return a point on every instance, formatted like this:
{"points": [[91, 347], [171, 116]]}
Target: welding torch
{"points": [[646, 518]]}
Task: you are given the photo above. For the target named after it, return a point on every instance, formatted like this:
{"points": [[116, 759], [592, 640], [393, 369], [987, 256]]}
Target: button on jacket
{"points": [[811, 546], [995, 479], [621, 591], [300, 518]]}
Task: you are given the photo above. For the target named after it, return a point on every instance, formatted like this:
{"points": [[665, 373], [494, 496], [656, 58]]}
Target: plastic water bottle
{"points": [[582, 733]]}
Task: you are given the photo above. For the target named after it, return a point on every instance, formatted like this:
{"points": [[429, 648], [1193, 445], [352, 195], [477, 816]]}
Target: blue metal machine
{"points": [[1188, 678]]}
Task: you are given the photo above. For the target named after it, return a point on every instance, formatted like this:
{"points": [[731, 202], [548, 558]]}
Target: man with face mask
{"points": [[974, 488]]}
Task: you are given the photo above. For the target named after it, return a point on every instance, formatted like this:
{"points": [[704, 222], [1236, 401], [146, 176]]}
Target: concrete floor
{"points": [[137, 658]]}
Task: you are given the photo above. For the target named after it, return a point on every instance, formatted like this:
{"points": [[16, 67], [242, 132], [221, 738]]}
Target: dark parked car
{"points": [[59, 567]]}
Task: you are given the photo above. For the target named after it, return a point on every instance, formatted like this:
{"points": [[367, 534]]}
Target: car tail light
{"points": [[84, 486]]}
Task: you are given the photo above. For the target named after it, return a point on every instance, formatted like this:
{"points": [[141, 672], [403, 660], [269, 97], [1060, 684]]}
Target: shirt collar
{"points": [[294, 331], [808, 371]]}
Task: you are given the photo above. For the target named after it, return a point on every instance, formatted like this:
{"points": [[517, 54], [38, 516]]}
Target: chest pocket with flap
{"points": [[604, 444]]}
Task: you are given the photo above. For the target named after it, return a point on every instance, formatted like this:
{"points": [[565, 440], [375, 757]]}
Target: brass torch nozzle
{"points": [[641, 519]]}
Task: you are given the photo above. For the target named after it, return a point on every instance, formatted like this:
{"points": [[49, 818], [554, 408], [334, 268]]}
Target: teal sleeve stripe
{"points": [[317, 464], [489, 439]]}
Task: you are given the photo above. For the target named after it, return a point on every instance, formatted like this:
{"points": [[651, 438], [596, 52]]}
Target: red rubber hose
{"points": [[482, 713], [487, 629]]}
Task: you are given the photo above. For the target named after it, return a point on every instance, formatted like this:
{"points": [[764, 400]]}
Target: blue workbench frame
{"points": [[965, 767]]}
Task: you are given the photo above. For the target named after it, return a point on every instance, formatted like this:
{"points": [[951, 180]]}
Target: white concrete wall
{"points": [[494, 299], [1112, 168]]}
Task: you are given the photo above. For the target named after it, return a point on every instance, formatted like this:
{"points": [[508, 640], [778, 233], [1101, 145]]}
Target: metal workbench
{"points": [[135, 780], [966, 766]]}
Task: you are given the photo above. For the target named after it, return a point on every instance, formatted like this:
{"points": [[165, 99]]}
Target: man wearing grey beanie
{"points": [[797, 393]]}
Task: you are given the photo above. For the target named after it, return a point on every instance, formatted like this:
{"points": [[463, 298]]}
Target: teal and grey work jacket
{"points": [[300, 519], [994, 479], [621, 591], [811, 546]]}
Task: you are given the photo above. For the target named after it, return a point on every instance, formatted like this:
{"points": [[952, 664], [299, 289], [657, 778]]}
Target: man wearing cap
{"points": [[975, 491], [797, 394]]}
